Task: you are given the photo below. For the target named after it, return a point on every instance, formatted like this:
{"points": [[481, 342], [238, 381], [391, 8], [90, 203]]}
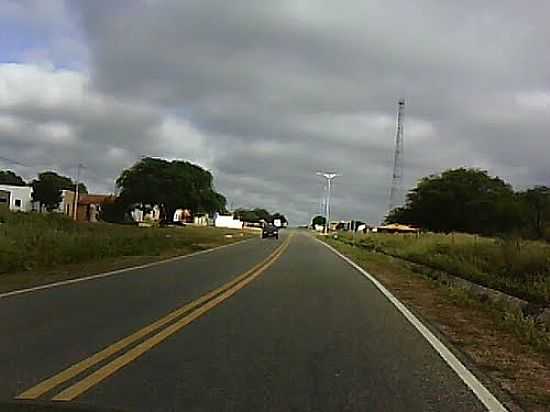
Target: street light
{"points": [[329, 176]]}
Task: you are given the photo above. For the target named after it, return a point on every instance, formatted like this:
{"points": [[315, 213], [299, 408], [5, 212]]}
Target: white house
{"points": [[228, 222], [17, 198]]}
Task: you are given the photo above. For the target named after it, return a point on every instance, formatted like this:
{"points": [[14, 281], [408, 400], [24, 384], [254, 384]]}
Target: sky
{"points": [[264, 94]]}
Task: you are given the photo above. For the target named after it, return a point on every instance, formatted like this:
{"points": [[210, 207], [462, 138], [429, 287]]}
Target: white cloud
{"points": [[27, 85], [52, 120], [534, 100]]}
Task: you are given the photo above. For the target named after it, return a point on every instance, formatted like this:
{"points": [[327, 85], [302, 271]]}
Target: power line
{"points": [[5, 159]]}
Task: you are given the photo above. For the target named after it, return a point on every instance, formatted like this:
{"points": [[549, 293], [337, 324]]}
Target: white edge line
{"points": [[483, 394], [116, 272]]}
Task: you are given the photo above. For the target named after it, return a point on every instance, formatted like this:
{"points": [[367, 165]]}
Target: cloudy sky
{"points": [[265, 93]]}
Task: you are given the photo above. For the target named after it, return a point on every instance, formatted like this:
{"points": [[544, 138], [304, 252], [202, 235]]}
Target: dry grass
{"points": [[519, 268], [499, 344], [36, 249]]}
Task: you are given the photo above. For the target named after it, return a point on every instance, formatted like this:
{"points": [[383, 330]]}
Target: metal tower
{"points": [[397, 178]]}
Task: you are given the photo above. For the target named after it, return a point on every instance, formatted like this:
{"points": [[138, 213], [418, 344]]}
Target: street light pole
{"points": [[329, 177], [75, 200]]}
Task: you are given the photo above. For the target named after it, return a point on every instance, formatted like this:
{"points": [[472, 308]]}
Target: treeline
{"points": [[471, 201], [47, 186], [151, 181], [257, 215]]}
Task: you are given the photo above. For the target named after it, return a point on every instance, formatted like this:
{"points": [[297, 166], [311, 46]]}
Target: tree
{"points": [[318, 220], [279, 216], [47, 189], [263, 214], [7, 177], [177, 184], [246, 215], [536, 207], [466, 200]]}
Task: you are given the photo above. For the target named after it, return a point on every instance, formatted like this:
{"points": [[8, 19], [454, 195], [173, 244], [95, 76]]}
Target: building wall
{"points": [[228, 222], [20, 197], [66, 206]]}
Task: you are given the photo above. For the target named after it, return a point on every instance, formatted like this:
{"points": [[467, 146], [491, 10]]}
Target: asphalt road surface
{"points": [[288, 326]]}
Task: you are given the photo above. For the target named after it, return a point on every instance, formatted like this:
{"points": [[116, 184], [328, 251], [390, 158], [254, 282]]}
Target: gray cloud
{"points": [[266, 93]]}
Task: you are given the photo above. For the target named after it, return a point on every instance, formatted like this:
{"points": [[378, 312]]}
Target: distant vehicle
{"points": [[270, 231]]}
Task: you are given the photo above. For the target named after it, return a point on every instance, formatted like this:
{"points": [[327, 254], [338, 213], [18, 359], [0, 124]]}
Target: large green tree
{"points": [[318, 220], [246, 215], [7, 177], [465, 200], [47, 189], [536, 209], [176, 184]]}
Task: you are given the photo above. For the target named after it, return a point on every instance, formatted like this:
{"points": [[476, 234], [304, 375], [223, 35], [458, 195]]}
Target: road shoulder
{"points": [[487, 343]]}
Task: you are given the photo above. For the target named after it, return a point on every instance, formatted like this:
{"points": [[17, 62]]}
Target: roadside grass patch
{"points": [[37, 242], [517, 267]]}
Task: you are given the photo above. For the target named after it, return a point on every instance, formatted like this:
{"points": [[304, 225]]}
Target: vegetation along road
{"points": [[258, 325]]}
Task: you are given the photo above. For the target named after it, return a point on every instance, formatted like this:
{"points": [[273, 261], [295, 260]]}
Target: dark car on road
{"points": [[270, 231]]}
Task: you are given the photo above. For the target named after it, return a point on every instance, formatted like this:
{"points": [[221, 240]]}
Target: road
{"points": [[299, 330]]}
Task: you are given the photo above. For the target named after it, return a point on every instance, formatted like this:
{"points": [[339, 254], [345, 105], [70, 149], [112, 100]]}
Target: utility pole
{"points": [[329, 176], [75, 205]]}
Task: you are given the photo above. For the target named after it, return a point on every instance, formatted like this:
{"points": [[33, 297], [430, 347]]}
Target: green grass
{"points": [[519, 268], [37, 242]]}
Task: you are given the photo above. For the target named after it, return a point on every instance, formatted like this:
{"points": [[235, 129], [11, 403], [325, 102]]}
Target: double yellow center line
{"points": [[164, 328]]}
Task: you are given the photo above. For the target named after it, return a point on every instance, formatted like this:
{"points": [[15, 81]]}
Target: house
{"points": [[66, 206], [145, 213], [228, 221], [16, 198], [183, 216], [201, 219], [89, 206]]}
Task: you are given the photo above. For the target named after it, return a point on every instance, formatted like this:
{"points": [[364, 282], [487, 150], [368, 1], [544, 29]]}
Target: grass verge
{"points": [[517, 267], [504, 346], [38, 249]]}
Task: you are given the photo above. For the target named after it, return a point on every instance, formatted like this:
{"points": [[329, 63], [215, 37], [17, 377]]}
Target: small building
{"points": [[16, 198], [66, 206], [228, 221], [89, 206], [200, 220], [183, 216]]}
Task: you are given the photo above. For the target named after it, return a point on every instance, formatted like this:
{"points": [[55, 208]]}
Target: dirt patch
{"points": [[481, 332]]}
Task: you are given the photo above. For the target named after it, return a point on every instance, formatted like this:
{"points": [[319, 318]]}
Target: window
{"points": [[17, 202]]}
